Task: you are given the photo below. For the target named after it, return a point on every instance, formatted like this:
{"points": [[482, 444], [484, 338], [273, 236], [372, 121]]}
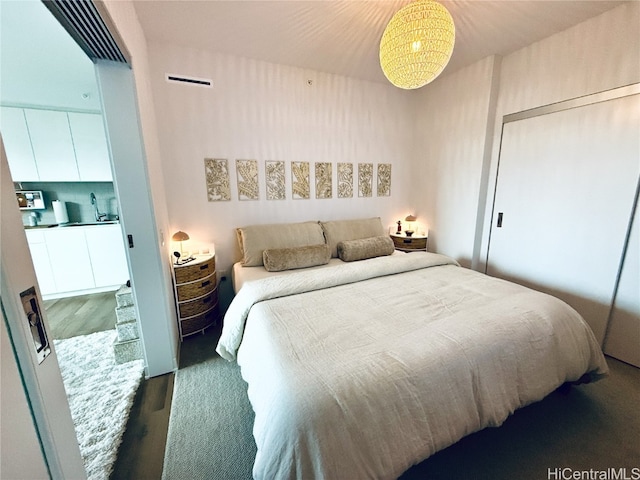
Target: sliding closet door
{"points": [[565, 191], [623, 333]]}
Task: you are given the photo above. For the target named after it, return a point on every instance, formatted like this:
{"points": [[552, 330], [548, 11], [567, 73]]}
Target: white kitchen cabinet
{"points": [[78, 260], [52, 145], [91, 149], [41, 264], [17, 144], [69, 258], [107, 254]]}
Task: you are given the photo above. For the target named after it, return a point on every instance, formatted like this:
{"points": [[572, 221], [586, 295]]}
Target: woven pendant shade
{"points": [[417, 44]]}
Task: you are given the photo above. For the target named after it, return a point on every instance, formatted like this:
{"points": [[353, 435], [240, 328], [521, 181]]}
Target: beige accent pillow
{"points": [[255, 239], [340, 230], [352, 250], [279, 259]]}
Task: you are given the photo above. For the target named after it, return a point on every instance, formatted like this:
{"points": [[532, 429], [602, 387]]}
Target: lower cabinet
{"points": [[107, 254], [78, 260], [41, 264], [69, 258]]}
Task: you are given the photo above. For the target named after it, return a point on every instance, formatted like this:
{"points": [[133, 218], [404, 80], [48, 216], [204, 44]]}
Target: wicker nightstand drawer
{"points": [[196, 289], [200, 305], [199, 323], [409, 244], [189, 273]]}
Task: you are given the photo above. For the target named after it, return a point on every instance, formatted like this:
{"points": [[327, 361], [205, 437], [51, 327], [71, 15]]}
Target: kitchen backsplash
{"points": [[77, 196]]}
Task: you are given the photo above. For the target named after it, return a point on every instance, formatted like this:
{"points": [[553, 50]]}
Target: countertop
{"points": [[71, 224]]}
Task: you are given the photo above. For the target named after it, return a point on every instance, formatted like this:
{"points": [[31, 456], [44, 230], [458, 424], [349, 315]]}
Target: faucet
{"points": [[100, 217]]}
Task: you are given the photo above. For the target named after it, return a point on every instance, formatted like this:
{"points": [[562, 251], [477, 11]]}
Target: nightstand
{"points": [[415, 243], [196, 294]]}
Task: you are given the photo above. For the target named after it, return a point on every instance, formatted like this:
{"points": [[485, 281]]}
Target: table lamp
{"points": [[410, 219]]}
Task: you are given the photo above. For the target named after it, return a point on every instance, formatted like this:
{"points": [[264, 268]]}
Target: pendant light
{"points": [[417, 44]]}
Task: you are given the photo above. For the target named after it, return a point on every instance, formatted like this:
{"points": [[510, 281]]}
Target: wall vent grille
{"points": [[198, 82]]}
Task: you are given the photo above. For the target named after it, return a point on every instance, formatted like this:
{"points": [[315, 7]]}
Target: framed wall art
{"points": [[300, 180], [247, 177], [275, 180], [365, 179], [216, 172], [345, 180], [324, 180], [384, 179]]}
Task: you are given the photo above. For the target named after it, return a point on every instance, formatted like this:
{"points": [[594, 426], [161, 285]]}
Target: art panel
{"points": [[384, 180], [247, 177], [300, 183], [275, 179], [365, 179], [345, 180], [324, 180], [217, 177]]}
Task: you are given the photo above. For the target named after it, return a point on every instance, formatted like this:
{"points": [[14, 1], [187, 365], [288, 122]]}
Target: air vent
{"points": [[198, 82], [87, 26]]}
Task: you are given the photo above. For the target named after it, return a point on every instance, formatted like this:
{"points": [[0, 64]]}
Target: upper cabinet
{"points": [[63, 146], [90, 143], [52, 145], [17, 144]]}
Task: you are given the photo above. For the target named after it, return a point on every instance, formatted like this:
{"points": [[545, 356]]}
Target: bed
{"points": [[361, 369]]}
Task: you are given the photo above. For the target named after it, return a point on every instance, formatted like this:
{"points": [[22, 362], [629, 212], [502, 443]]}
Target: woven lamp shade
{"points": [[417, 44]]}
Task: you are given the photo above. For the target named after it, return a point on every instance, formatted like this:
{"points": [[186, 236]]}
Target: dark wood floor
{"points": [[81, 315], [141, 453]]}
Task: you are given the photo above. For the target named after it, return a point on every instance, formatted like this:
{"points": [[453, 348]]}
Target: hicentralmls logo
{"points": [[591, 474]]}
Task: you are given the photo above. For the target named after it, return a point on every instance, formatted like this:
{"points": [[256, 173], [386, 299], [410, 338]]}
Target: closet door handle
{"points": [[499, 224]]}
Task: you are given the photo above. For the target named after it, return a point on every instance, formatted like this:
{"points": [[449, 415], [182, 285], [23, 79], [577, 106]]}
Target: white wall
{"points": [[452, 117], [262, 111]]}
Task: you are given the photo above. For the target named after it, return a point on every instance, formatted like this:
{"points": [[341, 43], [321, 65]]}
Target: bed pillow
{"points": [[279, 259], [254, 240], [341, 230], [361, 249]]}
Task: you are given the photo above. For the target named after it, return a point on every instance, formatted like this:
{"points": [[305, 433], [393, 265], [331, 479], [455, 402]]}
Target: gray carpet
{"points": [[210, 427], [595, 426]]}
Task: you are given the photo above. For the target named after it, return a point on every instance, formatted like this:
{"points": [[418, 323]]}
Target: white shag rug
{"points": [[100, 394]]}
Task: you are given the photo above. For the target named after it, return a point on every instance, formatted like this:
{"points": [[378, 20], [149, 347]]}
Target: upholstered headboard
{"points": [[288, 246]]}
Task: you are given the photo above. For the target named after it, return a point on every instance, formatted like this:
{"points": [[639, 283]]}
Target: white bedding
{"points": [[364, 369]]}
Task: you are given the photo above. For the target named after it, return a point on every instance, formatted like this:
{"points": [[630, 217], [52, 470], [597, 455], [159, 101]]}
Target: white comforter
{"points": [[367, 370]]}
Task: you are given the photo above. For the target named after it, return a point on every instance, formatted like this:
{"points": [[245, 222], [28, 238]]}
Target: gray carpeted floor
{"points": [[593, 427], [210, 427]]}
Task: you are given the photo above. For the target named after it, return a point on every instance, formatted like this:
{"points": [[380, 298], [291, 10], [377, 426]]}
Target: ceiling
{"points": [[343, 36], [40, 65]]}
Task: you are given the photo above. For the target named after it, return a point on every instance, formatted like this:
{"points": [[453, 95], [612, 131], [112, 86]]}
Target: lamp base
{"points": [[408, 233]]}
